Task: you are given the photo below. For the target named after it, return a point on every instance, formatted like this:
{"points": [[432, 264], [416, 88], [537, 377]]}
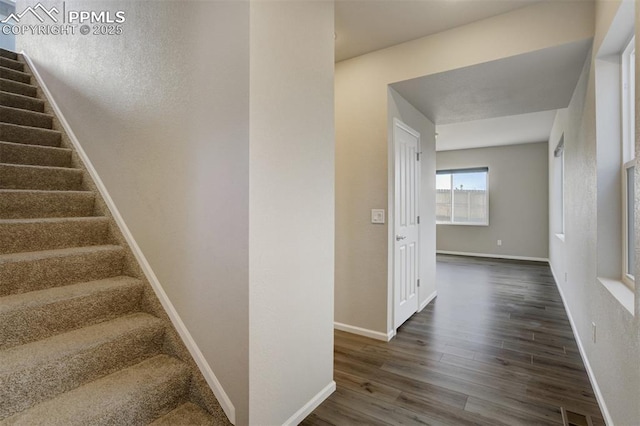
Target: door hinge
{"points": [[418, 220], [418, 156], [418, 282]]}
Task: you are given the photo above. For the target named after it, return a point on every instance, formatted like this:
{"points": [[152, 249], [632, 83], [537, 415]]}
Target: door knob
{"points": [[399, 237]]}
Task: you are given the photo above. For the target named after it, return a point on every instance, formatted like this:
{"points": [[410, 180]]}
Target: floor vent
{"points": [[570, 418]]}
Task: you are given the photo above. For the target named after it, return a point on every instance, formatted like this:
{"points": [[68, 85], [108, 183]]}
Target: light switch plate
{"points": [[377, 215]]}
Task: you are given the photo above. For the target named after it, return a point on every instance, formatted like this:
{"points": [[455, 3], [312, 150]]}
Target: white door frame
{"points": [[391, 223]]}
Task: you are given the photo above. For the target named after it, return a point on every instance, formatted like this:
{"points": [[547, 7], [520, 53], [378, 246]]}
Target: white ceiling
{"points": [[537, 81], [363, 26], [510, 101], [510, 130]]}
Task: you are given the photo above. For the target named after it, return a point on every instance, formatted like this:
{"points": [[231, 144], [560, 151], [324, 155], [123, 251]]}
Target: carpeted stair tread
{"points": [[29, 271], [80, 341], [11, 63], [27, 317], [34, 155], [8, 54], [29, 135], [22, 235], [15, 75], [24, 117], [186, 414], [24, 203], [19, 176], [18, 88], [133, 396], [15, 100], [61, 363]]}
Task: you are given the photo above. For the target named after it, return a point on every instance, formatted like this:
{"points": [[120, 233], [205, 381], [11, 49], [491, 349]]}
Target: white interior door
{"points": [[406, 222]]}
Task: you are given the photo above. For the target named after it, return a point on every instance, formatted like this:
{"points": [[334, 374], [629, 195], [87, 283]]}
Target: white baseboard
{"points": [[493, 256], [385, 337], [197, 355], [583, 354], [313, 403], [427, 301]]}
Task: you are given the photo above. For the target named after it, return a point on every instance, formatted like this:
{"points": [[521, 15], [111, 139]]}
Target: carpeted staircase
{"points": [[83, 338]]}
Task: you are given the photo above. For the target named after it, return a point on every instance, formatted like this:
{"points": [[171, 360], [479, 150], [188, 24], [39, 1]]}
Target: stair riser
{"points": [[13, 153], [23, 102], [133, 396], [18, 88], [29, 135], [25, 205], [186, 414], [143, 408], [8, 54], [17, 177], [25, 118], [14, 75], [62, 374], [31, 323], [30, 275], [13, 64], [34, 236]]}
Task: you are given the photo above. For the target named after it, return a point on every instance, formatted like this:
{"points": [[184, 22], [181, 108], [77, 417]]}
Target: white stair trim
{"points": [[205, 368]]}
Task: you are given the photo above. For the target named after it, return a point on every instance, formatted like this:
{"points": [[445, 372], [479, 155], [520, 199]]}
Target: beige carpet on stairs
{"points": [[83, 339]]}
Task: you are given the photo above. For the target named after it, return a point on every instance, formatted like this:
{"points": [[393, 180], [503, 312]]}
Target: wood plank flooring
{"points": [[494, 348]]}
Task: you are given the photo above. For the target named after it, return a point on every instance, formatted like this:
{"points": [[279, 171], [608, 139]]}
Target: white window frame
{"points": [[627, 278], [467, 170], [562, 200], [628, 153], [559, 155], [628, 101]]}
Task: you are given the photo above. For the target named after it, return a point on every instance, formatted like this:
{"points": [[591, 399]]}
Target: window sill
{"points": [[620, 292], [560, 237]]}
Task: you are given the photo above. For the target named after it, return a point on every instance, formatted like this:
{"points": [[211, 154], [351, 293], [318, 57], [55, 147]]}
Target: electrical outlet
{"points": [[499, 243], [593, 330]]}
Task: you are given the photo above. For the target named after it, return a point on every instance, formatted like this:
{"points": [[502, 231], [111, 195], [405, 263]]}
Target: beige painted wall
{"points": [[291, 240], [614, 356], [217, 147], [518, 202], [361, 133], [162, 112]]}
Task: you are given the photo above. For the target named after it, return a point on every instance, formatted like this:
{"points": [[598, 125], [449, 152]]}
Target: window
{"points": [[615, 156], [562, 192], [462, 196], [629, 226], [559, 188], [628, 162], [7, 39]]}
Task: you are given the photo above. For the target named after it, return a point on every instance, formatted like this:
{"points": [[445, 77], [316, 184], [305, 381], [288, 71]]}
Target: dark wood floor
{"points": [[495, 347]]}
